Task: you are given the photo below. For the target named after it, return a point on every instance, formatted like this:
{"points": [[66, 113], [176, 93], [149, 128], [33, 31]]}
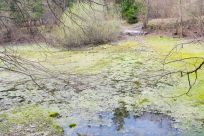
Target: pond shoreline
{"points": [[102, 79]]}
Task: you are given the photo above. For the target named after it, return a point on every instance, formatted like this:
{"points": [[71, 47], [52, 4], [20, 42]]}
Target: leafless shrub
{"points": [[87, 24]]}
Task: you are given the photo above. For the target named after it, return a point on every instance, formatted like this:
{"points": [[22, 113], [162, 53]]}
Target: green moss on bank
{"points": [[53, 114], [29, 120]]}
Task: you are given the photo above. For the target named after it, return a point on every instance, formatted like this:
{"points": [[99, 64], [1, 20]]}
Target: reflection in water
{"points": [[119, 115], [125, 124]]}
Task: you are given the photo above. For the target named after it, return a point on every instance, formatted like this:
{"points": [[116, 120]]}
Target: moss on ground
{"points": [[58, 128], [72, 124], [116, 63], [53, 114], [29, 120]]}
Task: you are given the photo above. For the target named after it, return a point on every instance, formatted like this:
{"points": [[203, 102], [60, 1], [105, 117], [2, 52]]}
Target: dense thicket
{"points": [[84, 24], [22, 20], [185, 17]]}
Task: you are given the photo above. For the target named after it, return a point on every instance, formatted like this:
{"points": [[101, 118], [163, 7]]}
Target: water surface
{"points": [[124, 123]]}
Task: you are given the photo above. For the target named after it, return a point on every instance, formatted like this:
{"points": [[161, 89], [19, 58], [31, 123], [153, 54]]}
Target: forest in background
{"points": [[29, 21]]}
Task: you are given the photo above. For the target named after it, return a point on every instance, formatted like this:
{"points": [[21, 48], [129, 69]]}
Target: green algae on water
{"points": [[72, 124]]}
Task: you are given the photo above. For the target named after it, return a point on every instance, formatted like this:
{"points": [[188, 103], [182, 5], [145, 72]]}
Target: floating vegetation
{"points": [[72, 124]]}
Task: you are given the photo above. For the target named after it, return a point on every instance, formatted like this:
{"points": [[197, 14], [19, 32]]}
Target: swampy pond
{"points": [[106, 90]]}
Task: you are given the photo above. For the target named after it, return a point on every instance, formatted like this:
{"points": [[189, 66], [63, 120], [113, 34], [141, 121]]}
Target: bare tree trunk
{"points": [[145, 21], [165, 11], [180, 27], [200, 7]]}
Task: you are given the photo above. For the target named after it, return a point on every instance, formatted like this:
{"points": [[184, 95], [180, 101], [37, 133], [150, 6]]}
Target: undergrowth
{"points": [[87, 24]]}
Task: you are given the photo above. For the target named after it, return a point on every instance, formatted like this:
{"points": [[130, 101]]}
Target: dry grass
{"points": [[172, 23], [88, 24]]}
